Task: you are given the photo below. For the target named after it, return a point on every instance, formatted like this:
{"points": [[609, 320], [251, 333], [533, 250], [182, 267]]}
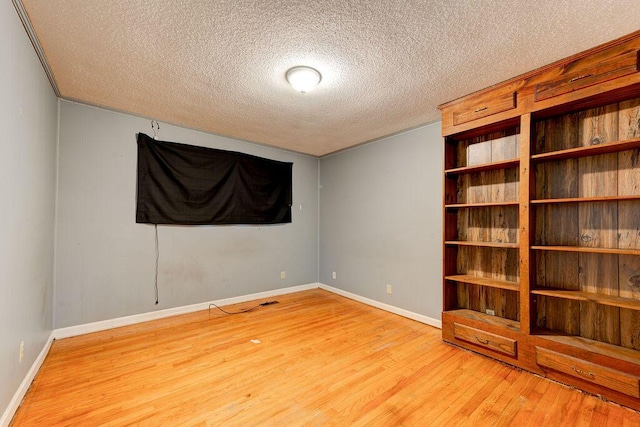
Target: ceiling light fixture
{"points": [[303, 79]]}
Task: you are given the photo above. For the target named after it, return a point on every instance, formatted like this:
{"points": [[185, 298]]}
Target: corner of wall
{"points": [[55, 218], [14, 404]]}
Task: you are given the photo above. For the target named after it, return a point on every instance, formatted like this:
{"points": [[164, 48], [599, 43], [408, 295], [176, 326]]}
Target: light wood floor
{"points": [[322, 360]]}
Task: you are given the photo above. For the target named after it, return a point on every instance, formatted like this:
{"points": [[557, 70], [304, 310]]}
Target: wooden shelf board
{"points": [[485, 244], [604, 251], [611, 300], [512, 325], [593, 346], [587, 199], [482, 205], [504, 164], [485, 281], [592, 150]]}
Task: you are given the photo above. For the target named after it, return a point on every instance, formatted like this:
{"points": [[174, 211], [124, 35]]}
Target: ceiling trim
{"points": [[191, 128], [26, 23], [379, 139]]}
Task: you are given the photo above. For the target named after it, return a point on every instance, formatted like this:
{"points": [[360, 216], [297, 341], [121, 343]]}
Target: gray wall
{"points": [[28, 125], [381, 220], [105, 262]]}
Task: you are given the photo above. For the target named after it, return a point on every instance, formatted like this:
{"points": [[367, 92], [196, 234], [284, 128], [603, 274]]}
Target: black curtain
{"points": [[185, 184]]}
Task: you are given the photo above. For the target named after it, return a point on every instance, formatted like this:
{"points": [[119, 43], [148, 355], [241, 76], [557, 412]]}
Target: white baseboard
{"points": [[16, 400], [386, 307], [87, 328]]}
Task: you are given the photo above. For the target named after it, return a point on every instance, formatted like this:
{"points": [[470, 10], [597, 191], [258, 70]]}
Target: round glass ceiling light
{"points": [[303, 79]]}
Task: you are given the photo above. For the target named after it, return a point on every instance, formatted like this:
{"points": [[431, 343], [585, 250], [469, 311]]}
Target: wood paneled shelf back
{"points": [[541, 233]]}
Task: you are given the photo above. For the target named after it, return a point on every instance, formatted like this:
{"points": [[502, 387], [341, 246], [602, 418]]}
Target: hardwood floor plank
{"points": [[321, 360], [510, 403], [485, 406]]}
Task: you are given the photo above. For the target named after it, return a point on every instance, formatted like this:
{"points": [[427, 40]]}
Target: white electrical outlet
{"points": [[334, 275], [389, 289], [490, 312], [283, 275], [21, 351]]}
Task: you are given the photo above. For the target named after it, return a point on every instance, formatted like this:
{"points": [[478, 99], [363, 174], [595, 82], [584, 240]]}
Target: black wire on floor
{"points": [[244, 310], [157, 257]]}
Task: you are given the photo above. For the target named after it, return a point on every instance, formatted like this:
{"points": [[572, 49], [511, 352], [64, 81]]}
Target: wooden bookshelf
{"points": [[541, 218]]}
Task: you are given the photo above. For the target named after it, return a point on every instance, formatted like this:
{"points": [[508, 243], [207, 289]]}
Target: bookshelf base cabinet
{"points": [[541, 233]]}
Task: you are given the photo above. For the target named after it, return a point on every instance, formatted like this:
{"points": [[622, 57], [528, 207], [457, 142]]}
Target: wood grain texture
{"points": [[578, 75], [483, 281], [601, 375], [322, 360], [588, 250], [483, 167], [485, 339], [600, 298], [483, 107], [560, 271], [598, 224], [629, 221], [556, 224], [526, 304], [591, 150], [485, 184], [617, 198], [483, 319]]}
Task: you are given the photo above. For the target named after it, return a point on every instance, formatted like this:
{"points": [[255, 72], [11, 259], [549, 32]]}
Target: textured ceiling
{"points": [[219, 66]]}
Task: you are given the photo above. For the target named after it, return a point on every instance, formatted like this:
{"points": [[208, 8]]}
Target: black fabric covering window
{"points": [[185, 184]]}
